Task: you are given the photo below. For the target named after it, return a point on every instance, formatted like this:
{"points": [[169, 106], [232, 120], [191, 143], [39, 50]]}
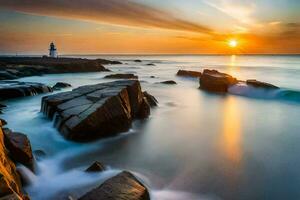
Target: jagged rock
{"points": [[122, 76], [60, 85], [15, 89], [170, 82], [96, 167], [10, 182], [259, 84], [151, 99], [144, 111], [19, 148], [95, 111], [214, 81], [193, 74], [124, 186]]}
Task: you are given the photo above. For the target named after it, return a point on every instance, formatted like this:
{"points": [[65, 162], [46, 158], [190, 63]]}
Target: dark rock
{"points": [[95, 111], [39, 154], [144, 111], [60, 85], [124, 186], [152, 76], [4, 75], [3, 122], [151, 99], [260, 84], [150, 64], [193, 74], [137, 61], [214, 81], [19, 148], [2, 106], [170, 82], [15, 89], [96, 167], [122, 76]]}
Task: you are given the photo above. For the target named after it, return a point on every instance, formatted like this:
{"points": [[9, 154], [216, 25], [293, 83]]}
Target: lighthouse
{"points": [[52, 51]]}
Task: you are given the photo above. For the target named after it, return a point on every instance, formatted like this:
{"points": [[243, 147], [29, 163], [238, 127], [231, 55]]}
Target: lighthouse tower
{"points": [[52, 51]]}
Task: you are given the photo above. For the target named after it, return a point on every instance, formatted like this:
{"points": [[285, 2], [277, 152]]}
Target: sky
{"points": [[150, 26]]}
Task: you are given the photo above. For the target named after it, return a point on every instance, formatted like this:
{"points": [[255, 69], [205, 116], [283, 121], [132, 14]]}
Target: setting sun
{"points": [[232, 43]]}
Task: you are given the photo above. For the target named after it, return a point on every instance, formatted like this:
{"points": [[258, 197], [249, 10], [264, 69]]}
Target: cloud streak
{"points": [[121, 12]]}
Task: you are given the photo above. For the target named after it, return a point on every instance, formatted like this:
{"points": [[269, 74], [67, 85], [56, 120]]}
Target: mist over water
{"points": [[195, 145]]}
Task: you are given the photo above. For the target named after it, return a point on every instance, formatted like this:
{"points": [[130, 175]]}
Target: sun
{"points": [[232, 43]]}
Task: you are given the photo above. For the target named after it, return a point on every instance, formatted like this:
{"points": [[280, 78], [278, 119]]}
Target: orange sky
{"points": [[144, 26]]}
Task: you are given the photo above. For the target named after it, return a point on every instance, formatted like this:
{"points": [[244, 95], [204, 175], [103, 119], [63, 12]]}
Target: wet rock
{"points": [[170, 82], [138, 61], [39, 154], [193, 74], [122, 76], [15, 89], [259, 84], [10, 182], [3, 122], [150, 64], [144, 111], [152, 76], [96, 167], [4, 75], [151, 99], [214, 81], [2, 106], [19, 148], [95, 111], [123, 186], [60, 85]]}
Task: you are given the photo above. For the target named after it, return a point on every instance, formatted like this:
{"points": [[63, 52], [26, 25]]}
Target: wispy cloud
{"points": [[121, 12]]}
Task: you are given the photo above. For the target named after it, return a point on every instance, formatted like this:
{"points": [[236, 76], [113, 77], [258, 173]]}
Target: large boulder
{"points": [[10, 182], [15, 89], [187, 73], [122, 76], [124, 186], [259, 84], [96, 111], [19, 148], [214, 81]]}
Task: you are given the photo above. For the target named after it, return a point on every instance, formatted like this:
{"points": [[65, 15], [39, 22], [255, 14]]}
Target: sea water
{"points": [[195, 145]]}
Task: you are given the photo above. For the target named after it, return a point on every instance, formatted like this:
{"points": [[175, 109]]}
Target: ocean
{"points": [[195, 146]]}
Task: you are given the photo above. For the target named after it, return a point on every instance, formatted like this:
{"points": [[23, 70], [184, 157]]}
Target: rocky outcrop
{"points": [[96, 167], [123, 186], [170, 82], [16, 67], [15, 89], [19, 148], [151, 99], [186, 73], [60, 85], [214, 81], [122, 76], [96, 111], [10, 182], [259, 84]]}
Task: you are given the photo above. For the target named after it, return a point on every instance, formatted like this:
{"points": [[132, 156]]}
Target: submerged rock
{"points": [[170, 82], [122, 76], [150, 64], [193, 74], [15, 89], [19, 148], [96, 167], [214, 81], [124, 186], [259, 84], [137, 61], [60, 85], [96, 111]]}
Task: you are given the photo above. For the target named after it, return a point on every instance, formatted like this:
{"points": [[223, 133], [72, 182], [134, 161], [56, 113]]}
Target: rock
{"points": [[15, 89], [137, 61], [170, 82], [95, 111], [122, 76], [2, 106], [10, 182], [13, 196], [260, 84], [3, 122], [152, 76], [4, 75], [151, 99], [96, 167], [193, 74], [60, 85], [144, 111], [150, 64], [214, 81], [124, 186], [39, 154], [19, 148]]}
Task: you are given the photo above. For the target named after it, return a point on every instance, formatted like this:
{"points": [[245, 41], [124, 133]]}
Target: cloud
{"points": [[121, 12]]}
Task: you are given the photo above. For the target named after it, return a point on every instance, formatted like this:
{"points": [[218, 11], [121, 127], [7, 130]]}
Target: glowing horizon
{"points": [[150, 27]]}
